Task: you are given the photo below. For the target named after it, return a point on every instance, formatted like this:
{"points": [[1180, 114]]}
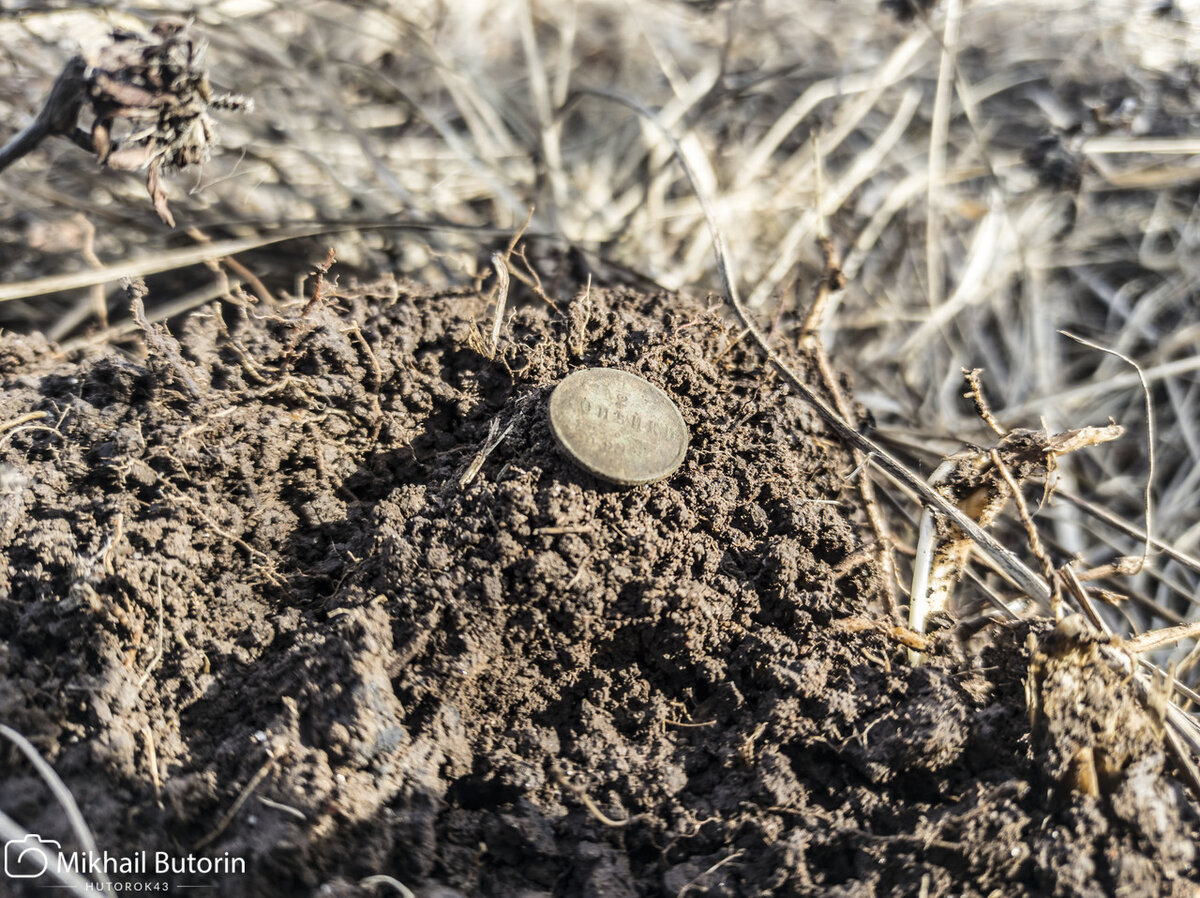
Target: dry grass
{"points": [[918, 147]]}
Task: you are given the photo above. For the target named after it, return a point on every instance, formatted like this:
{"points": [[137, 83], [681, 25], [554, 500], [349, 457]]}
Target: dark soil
{"points": [[248, 602]]}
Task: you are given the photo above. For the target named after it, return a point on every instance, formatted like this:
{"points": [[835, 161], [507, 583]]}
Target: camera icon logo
{"points": [[30, 857]]}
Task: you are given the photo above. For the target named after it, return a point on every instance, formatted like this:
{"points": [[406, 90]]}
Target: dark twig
{"points": [[57, 116], [1031, 533], [975, 394]]}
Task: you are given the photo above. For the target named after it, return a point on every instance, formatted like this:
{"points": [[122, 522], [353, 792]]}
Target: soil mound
{"points": [[320, 593]]}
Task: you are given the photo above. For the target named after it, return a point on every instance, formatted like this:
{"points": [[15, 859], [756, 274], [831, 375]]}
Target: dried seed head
{"points": [[153, 90]]}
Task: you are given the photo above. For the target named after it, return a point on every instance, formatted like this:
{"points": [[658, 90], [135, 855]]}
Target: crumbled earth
{"points": [[255, 603]]}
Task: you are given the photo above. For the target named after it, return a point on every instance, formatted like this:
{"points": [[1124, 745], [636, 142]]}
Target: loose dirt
{"points": [[259, 600]]}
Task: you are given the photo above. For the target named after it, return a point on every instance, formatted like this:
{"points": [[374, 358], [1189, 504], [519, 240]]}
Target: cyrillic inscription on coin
{"points": [[618, 426]]}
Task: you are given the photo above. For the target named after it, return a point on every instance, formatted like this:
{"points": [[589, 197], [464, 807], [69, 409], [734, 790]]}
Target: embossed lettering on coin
{"points": [[618, 426]]}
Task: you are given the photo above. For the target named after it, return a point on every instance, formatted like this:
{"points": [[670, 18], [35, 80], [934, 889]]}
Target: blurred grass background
{"points": [[990, 171]]}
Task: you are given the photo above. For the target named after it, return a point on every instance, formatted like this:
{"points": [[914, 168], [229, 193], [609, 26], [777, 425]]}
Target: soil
{"points": [[255, 604]]}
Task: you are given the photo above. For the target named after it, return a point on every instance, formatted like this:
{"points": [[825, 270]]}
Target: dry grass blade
{"points": [[938, 135], [1151, 435], [78, 825], [501, 269], [1115, 521], [167, 260], [1154, 639], [865, 165], [381, 880], [11, 831]]}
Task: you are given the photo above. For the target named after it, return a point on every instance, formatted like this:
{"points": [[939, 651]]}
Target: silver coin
{"points": [[618, 426]]}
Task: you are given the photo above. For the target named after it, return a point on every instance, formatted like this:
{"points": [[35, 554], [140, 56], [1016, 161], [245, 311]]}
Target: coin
{"points": [[618, 426]]}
